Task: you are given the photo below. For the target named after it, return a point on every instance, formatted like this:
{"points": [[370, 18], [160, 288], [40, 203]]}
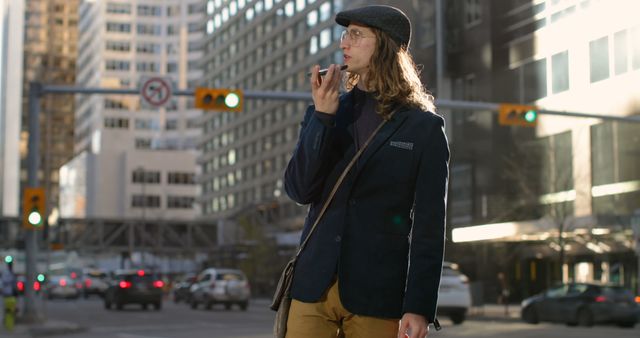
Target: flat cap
{"points": [[385, 18]]}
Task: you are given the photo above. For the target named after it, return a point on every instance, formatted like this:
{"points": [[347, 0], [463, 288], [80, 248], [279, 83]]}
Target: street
{"points": [[179, 320]]}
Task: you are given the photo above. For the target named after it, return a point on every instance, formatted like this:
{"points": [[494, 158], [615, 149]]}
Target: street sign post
{"points": [[155, 91]]}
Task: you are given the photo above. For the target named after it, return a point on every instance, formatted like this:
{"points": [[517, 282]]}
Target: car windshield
{"points": [[230, 276]]}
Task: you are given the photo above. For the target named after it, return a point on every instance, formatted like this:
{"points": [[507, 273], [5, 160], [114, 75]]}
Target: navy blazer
{"points": [[383, 234]]}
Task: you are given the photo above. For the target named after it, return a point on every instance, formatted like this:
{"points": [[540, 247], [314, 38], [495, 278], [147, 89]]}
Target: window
{"points": [[472, 12], [118, 8], [599, 59], [620, 52], [145, 201], [325, 11], [118, 46], [172, 67], [181, 178], [115, 104], [117, 65], [148, 48], [194, 8], [143, 143], [180, 202], [147, 124], [535, 80], [148, 29], [313, 45], [116, 123], [145, 176], [147, 67], [147, 10], [560, 72], [171, 125], [118, 27], [635, 43]]}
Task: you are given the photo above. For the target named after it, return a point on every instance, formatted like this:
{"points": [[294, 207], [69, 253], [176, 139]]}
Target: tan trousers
{"points": [[329, 319]]}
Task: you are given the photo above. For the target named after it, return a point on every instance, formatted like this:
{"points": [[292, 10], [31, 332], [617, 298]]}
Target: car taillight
{"points": [[601, 299], [63, 282], [637, 299], [78, 285], [124, 284], [87, 283], [36, 286], [158, 284], [20, 286]]}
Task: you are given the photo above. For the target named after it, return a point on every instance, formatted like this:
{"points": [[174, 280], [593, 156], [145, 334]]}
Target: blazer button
{"points": [[338, 238]]}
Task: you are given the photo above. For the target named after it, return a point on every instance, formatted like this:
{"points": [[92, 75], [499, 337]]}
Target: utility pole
{"points": [[31, 312]]}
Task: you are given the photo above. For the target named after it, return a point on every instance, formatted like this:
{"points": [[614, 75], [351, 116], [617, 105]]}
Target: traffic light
{"points": [[518, 115], [218, 99], [33, 208], [8, 259]]}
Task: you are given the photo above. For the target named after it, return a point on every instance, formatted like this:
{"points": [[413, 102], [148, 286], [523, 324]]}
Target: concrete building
{"points": [[573, 176], [11, 41], [134, 161]]}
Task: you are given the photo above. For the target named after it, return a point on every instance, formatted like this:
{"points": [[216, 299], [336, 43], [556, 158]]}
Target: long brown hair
{"points": [[393, 78]]}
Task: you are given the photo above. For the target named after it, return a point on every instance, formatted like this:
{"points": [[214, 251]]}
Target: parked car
{"points": [[181, 290], [582, 304], [221, 286], [94, 283], [62, 286], [134, 287], [454, 296]]}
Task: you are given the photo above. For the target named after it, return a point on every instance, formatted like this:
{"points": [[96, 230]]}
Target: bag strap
{"points": [[339, 181]]}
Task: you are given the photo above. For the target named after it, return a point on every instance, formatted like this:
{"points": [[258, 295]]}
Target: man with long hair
{"points": [[372, 267]]}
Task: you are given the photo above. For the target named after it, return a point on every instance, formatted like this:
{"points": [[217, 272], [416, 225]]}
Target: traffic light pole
{"points": [[306, 96], [31, 312]]}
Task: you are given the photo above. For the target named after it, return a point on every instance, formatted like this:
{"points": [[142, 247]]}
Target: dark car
{"points": [[134, 287], [582, 304], [181, 291]]}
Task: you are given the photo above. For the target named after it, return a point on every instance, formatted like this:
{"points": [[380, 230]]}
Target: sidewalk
{"points": [[495, 312], [47, 328]]}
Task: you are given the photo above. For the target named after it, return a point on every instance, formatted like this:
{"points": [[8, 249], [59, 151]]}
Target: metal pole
{"points": [[31, 312]]}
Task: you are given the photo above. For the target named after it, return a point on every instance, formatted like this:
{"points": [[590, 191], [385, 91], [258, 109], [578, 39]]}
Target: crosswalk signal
{"points": [[219, 99], [33, 208], [518, 115]]}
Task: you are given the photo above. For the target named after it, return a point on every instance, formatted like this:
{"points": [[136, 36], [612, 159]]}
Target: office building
{"points": [[133, 160]]}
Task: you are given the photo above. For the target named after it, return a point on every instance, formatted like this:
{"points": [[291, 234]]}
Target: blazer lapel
{"points": [[381, 138]]}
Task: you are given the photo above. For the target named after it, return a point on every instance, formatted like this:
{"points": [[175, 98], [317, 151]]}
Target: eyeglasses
{"points": [[354, 36]]}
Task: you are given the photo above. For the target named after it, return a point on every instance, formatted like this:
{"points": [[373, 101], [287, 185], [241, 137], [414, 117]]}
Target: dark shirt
{"points": [[366, 120]]}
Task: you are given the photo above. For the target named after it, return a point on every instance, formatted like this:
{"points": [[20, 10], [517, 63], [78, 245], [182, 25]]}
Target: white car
{"points": [[454, 296], [221, 286]]}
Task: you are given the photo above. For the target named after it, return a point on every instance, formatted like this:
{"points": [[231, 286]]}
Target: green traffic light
{"points": [[8, 259], [232, 100], [35, 218], [40, 278], [530, 116]]}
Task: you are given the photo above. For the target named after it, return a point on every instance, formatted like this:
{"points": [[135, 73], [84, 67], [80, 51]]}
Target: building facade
{"points": [[133, 160], [576, 178], [11, 40]]}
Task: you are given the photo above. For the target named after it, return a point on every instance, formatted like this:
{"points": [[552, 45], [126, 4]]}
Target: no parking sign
{"points": [[155, 91]]}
